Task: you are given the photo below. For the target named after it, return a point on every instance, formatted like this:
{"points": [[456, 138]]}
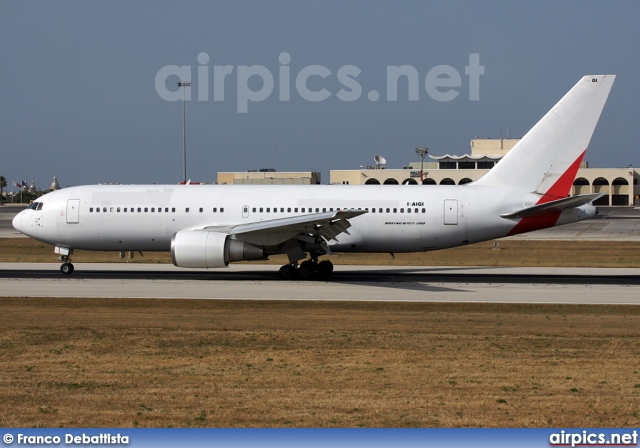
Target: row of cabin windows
{"points": [[146, 209], [254, 210], [317, 210]]}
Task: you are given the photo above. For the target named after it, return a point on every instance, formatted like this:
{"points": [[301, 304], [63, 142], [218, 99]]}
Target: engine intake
{"points": [[203, 249]]}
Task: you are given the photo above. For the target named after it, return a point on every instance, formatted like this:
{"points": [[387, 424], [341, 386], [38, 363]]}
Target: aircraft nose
{"points": [[17, 222]]}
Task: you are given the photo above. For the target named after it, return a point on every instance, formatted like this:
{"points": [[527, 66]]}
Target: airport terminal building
{"points": [[620, 185]]}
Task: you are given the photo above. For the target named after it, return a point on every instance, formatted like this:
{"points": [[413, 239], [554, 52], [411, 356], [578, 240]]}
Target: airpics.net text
{"points": [[256, 83]]}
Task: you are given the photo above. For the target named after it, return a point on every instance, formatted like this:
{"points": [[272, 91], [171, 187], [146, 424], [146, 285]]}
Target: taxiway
{"points": [[349, 283]]}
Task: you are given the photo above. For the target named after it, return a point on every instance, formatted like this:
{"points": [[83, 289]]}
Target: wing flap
{"points": [[553, 206], [273, 231]]}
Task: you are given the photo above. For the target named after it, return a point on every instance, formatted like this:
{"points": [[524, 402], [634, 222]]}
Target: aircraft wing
{"points": [[328, 225], [553, 206]]}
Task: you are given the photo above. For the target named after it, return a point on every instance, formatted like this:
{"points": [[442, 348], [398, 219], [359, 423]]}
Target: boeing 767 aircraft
{"points": [[209, 226]]}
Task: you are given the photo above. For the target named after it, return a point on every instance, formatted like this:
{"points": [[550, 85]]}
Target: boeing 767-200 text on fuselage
{"points": [[209, 226]]}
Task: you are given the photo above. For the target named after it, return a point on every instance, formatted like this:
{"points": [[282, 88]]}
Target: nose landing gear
{"points": [[65, 256], [66, 268]]}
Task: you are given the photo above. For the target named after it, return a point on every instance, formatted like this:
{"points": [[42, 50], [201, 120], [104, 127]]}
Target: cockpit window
{"points": [[36, 206]]}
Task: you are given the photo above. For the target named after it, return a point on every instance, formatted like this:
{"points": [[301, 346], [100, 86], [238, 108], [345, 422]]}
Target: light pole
{"points": [[184, 86], [422, 151]]}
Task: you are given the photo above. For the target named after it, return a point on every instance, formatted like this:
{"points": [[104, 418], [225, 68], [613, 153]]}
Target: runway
{"points": [[349, 283]]}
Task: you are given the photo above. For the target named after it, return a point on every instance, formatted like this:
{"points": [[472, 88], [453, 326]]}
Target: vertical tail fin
{"points": [[547, 158]]}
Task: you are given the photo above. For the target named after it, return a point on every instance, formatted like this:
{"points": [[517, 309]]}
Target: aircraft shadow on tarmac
{"points": [[409, 278]]}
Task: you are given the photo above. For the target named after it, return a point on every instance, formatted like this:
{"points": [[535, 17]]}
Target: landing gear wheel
{"points": [[287, 272], [325, 268], [66, 268], [307, 269]]}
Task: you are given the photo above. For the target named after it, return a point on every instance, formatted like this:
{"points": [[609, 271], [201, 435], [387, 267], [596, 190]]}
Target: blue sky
{"points": [[79, 96]]}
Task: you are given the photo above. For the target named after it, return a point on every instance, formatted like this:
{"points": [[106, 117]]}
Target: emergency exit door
{"points": [[451, 211], [73, 211]]}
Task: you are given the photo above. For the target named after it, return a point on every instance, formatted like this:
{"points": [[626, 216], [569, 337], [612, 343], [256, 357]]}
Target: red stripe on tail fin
{"points": [[560, 189]]}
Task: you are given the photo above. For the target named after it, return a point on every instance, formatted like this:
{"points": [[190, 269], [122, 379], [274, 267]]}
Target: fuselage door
{"points": [[451, 211], [245, 211], [73, 211]]}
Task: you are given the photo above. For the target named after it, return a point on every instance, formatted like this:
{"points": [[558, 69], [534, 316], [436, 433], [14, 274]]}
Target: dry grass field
{"points": [[190, 363], [196, 363]]}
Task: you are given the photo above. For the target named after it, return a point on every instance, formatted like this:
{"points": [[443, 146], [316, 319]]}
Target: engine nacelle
{"points": [[203, 249]]}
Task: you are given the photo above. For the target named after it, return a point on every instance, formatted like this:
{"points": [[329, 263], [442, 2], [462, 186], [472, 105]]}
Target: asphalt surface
{"points": [[349, 283]]}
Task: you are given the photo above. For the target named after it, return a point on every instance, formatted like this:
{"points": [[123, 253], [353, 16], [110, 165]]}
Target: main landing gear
{"points": [[308, 269]]}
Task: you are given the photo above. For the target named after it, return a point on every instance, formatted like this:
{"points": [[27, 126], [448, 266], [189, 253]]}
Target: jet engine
{"points": [[203, 249]]}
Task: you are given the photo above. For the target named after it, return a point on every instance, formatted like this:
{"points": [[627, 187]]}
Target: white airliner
{"points": [[209, 226]]}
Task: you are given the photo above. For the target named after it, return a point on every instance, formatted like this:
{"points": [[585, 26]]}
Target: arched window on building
{"points": [[391, 181], [409, 181], [601, 185], [581, 186], [465, 180], [372, 182], [429, 181], [620, 191], [447, 181]]}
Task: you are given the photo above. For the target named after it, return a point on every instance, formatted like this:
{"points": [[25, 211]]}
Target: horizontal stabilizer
{"points": [[553, 206]]}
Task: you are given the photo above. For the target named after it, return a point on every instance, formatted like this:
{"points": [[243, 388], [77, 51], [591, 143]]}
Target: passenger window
{"points": [[186, 210], [97, 209], [373, 210], [153, 209], [159, 209], [173, 210], [166, 209], [146, 209], [408, 210], [253, 209], [281, 210], [388, 210], [289, 210], [221, 210], [261, 209], [215, 209], [91, 210], [317, 210], [118, 209], [302, 209], [401, 210], [104, 209], [295, 209], [201, 209], [268, 209], [395, 210], [139, 209], [324, 210]]}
